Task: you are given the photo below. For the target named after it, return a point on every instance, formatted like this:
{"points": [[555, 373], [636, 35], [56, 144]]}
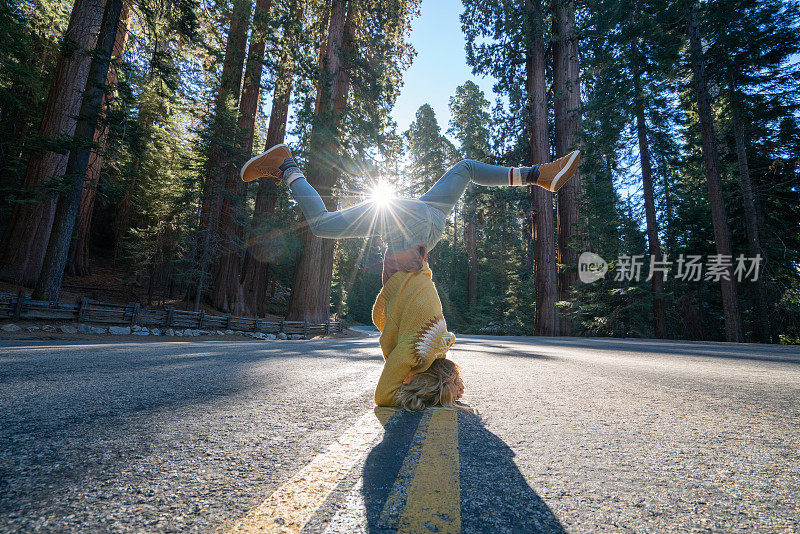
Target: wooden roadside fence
{"points": [[16, 307]]}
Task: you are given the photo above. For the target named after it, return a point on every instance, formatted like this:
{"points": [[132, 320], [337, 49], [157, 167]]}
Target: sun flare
{"points": [[382, 194]]}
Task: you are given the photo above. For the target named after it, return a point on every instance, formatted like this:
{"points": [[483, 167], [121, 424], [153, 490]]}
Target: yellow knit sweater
{"points": [[408, 313]]}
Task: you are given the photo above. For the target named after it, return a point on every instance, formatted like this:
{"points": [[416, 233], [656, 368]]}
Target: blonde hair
{"points": [[438, 386]]}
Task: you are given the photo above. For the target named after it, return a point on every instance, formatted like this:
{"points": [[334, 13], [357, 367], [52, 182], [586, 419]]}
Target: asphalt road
{"points": [[575, 435]]}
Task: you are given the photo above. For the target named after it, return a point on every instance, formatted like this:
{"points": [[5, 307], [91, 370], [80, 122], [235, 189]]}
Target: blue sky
{"points": [[439, 66]]}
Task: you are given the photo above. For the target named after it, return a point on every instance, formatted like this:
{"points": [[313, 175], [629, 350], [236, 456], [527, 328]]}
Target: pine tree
{"points": [[360, 74], [78, 257], [227, 292], [30, 33], [543, 231], [255, 269], [219, 162], [49, 283], [654, 245], [567, 103], [427, 151], [508, 41], [470, 125], [310, 299], [25, 238], [150, 187], [730, 303], [751, 61]]}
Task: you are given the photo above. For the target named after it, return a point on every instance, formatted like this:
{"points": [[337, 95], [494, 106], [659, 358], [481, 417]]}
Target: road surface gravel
{"points": [[576, 435]]}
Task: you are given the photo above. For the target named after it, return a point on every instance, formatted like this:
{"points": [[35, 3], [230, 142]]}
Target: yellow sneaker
{"points": [[553, 175], [266, 164]]}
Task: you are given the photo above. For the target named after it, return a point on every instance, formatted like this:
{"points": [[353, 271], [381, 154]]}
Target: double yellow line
{"points": [[424, 497], [433, 502]]}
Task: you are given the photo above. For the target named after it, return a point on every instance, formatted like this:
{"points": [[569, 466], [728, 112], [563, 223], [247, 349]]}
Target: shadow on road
{"points": [[383, 464], [73, 414], [494, 495]]}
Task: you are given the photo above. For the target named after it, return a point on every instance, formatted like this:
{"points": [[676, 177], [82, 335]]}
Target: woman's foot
{"points": [[553, 175], [273, 163]]}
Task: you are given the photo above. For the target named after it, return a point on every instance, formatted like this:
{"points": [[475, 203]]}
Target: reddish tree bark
{"points": [[78, 259], [25, 239], [719, 217], [311, 291], [222, 129], [49, 283], [544, 260], [227, 293], [567, 124], [226, 100], [255, 271]]}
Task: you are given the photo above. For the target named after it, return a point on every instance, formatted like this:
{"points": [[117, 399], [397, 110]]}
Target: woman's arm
{"points": [[395, 370]]}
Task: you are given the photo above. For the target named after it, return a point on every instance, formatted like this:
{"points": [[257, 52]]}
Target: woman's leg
{"points": [[366, 220], [361, 220], [404, 224], [551, 176], [448, 189]]}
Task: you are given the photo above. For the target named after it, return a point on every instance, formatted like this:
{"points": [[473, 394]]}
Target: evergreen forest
{"points": [[124, 123]]}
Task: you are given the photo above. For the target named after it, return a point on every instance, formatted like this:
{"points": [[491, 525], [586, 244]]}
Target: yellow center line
{"points": [[384, 413], [433, 503], [396, 501], [295, 502]]}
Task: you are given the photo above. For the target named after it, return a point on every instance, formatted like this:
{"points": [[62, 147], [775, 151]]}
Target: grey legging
{"points": [[405, 223]]}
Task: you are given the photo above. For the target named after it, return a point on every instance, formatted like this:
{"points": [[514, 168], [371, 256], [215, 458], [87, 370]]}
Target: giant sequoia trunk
{"points": [[55, 258], [25, 239], [730, 304], [544, 260], [567, 124], [258, 253], [311, 290], [223, 128], [654, 246], [78, 259], [227, 293]]}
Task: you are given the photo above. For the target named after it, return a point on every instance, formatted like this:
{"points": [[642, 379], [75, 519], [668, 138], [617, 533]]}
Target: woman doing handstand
{"points": [[414, 337]]}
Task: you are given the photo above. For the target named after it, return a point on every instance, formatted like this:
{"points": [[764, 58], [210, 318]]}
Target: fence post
{"points": [[170, 316], [135, 312], [327, 328], [20, 302], [200, 320], [305, 329], [281, 327], [83, 307], [228, 321], [255, 324]]}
